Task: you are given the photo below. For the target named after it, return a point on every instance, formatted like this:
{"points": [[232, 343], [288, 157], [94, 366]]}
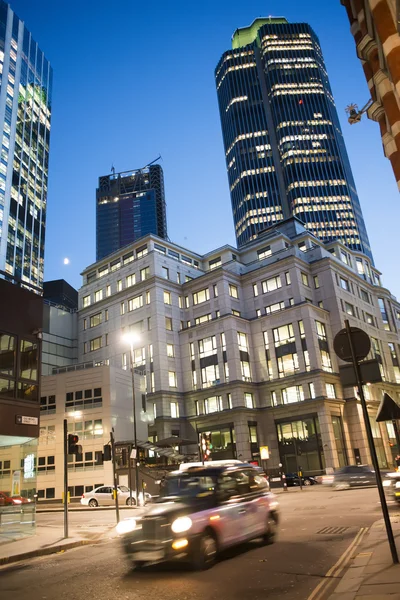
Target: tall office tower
{"points": [[129, 205], [25, 113], [284, 148]]}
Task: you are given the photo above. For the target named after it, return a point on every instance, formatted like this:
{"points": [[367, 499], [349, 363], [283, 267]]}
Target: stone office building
{"points": [[238, 344]]}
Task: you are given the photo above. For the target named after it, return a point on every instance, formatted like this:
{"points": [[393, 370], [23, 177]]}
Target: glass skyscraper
{"points": [[129, 205], [284, 148], [25, 114]]}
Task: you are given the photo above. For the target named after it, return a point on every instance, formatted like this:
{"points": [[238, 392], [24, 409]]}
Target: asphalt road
{"points": [[291, 568]]}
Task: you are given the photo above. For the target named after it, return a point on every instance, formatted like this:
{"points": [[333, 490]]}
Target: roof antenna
{"points": [[113, 169]]}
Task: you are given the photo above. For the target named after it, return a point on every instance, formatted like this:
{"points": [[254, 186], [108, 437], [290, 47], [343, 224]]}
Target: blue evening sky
{"points": [[135, 79]]}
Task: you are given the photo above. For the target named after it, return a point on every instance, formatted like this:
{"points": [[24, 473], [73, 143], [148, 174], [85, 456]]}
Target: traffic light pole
{"points": [[114, 466], [65, 478], [372, 449]]}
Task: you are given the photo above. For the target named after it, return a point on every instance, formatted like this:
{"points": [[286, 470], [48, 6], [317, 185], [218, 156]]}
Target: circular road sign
{"points": [[361, 344]]}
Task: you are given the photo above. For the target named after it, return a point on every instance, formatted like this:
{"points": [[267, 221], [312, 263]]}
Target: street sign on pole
{"points": [[358, 345], [360, 340]]}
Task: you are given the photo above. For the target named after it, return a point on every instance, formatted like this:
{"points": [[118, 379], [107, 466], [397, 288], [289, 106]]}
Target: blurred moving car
{"points": [[351, 476], [6, 500], [103, 496], [201, 511], [293, 479], [391, 485]]}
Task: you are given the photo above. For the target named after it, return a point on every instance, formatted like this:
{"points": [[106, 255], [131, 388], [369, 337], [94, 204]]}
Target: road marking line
{"points": [[339, 565]]}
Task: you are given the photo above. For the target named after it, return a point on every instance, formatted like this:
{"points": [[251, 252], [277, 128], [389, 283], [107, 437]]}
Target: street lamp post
{"points": [[131, 339]]}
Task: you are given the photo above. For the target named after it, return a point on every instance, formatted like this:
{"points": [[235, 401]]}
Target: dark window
{"points": [[88, 393], [78, 395], [50, 493], [97, 392]]}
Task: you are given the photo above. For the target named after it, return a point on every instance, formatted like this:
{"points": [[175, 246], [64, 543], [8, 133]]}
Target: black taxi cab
{"points": [[201, 511]]}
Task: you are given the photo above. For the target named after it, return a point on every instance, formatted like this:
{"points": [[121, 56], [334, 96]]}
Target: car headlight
{"points": [[126, 526], [181, 524], [17, 501], [397, 484]]}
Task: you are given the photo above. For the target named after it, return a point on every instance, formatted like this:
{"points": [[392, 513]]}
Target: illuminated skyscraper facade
{"points": [[129, 205], [25, 114], [284, 148]]}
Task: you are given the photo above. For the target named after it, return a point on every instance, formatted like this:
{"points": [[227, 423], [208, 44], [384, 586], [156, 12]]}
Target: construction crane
{"points": [[355, 114]]}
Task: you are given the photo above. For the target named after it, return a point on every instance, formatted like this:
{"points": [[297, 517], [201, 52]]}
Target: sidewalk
{"points": [[372, 574], [50, 540]]}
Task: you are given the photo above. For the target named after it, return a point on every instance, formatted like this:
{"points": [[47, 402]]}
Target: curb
{"points": [[6, 560]]}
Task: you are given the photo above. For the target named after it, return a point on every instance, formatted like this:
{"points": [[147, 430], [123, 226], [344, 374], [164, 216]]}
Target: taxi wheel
{"points": [[138, 565], [205, 554], [271, 530], [93, 503], [306, 482], [130, 502]]}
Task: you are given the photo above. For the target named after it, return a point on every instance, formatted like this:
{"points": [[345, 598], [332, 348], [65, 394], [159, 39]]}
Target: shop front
{"points": [[300, 445], [17, 487]]}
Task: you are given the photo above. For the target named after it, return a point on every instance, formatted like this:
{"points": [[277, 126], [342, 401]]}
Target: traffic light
{"points": [[206, 446], [106, 452], [73, 446]]}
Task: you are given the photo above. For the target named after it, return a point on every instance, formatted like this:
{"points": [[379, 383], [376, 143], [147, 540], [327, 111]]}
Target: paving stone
{"points": [[349, 585]]}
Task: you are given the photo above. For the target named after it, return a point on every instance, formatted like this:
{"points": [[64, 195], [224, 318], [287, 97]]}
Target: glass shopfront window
{"points": [[222, 442], [18, 467], [300, 445]]}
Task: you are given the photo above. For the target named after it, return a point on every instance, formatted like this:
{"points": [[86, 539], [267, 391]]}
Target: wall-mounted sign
{"points": [[16, 483], [24, 420], [264, 452]]}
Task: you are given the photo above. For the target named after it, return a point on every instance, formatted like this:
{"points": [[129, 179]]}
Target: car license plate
{"points": [[150, 556], [275, 479]]}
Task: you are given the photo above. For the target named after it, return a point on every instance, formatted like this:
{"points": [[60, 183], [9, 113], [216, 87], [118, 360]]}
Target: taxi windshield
{"points": [[186, 487]]}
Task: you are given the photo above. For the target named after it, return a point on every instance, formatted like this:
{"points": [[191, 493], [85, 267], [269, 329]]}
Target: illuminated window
{"points": [[202, 319], [168, 323], [304, 279], [330, 390], [293, 394], [255, 289], [170, 350], [86, 301], [135, 303], [167, 298], [201, 296], [271, 284], [264, 252], [174, 410], [95, 344], [130, 280], [95, 320], [233, 291], [248, 400], [172, 380]]}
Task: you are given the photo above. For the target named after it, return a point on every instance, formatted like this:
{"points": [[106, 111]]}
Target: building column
{"points": [[328, 438]]}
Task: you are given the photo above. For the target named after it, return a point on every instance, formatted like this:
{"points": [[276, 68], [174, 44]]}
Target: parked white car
{"points": [[103, 496]]}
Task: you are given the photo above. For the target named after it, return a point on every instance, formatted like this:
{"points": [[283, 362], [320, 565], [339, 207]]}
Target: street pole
{"points": [[114, 474], [134, 429], [130, 473], [371, 444], [65, 478], [297, 464]]}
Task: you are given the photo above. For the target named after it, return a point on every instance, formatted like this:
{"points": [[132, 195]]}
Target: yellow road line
{"points": [[339, 565]]}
